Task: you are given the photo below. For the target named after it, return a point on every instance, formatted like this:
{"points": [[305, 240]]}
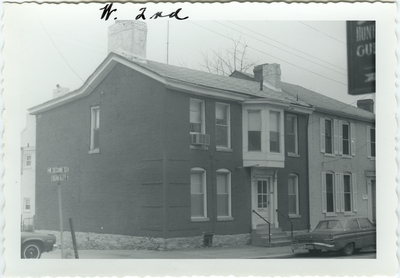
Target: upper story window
{"points": [[197, 119], [328, 136], [371, 142], [222, 125], [274, 131], [94, 129], [347, 139], [28, 161], [254, 132], [291, 134], [223, 193], [198, 192]]}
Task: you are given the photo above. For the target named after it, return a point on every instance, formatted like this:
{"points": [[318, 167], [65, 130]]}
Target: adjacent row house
{"points": [[160, 151]]}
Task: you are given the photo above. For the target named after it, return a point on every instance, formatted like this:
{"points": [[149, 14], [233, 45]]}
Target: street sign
{"points": [[56, 170], [59, 177]]}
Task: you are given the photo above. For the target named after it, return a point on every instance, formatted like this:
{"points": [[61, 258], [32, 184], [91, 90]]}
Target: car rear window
{"points": [[331, 225], [364, 223]]}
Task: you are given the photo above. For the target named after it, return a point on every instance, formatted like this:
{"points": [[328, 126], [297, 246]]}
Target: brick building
{"points": [[160, 151]]}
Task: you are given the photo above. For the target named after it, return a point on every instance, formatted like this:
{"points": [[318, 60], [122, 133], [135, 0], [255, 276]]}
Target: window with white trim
{"points": [[94, 128], [291, 134], [371, 142], [348, 184], [222, 125], [198, 193], [329, 193], [274, 131], [197, 117], [223, 193], [347, 140], [27, 204], [254, 132], [293, 195], [28, 161], [329, 136]]}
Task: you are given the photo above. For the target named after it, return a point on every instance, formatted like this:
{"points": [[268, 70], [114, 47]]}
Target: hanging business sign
{"points": [[361, 57]]}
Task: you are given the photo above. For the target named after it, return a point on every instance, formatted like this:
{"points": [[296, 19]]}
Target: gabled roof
{"points": [[319, 101], [179, 78], [326, 104]]}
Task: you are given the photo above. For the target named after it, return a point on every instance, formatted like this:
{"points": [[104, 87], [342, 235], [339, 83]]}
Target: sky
{"points": [[49, 44]]}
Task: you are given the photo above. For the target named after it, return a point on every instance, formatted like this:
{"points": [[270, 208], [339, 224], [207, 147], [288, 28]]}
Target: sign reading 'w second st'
{"points": [[56, 170]]}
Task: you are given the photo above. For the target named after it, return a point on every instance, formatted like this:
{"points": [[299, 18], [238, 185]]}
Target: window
{"points": [[223, 193], [371, 142], [328, 136], [262, 194], [329, 129], [27, 204], [347, 192], [94, 129], [365, 223], [254, 133], [345, 139], [291, 134], [274, 131], [222, 125], [197, 120], [293, 193], [330, 193], [28, 161], [198, 193]]}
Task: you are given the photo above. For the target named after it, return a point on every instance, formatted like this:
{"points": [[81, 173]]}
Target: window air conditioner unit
{"points": [[200, 139]]}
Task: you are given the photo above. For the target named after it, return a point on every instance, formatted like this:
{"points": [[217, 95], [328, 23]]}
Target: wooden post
{"points": [[61, 220], [73, 238]]}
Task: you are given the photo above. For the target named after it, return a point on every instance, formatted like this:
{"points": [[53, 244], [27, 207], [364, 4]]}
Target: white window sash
{"points": [[322, 133]]}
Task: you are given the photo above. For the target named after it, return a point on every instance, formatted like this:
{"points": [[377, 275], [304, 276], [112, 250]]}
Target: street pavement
{"points": [[239, 252]]}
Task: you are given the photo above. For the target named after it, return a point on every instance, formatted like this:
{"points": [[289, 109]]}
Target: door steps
{"points": [[259, 237]]}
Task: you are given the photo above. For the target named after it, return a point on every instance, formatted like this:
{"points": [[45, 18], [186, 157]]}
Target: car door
{"points": [[368, 232]]}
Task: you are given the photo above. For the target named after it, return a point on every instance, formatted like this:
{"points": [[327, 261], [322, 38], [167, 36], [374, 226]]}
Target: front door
{"points": [[262, 201]]}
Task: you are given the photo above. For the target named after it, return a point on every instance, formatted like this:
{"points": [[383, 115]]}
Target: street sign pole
{"points": [[61, 219]]}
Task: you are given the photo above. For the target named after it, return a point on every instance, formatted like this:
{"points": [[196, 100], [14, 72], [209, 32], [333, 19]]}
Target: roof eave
{"points": [[344, 114]]}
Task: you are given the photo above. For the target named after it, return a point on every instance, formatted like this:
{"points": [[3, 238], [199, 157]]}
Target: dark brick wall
{"points": [[107, 192], [124, 188], [297, 165], [182, 158]]}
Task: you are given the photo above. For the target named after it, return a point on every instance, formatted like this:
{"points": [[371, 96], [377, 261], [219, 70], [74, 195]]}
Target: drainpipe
{"points": [[308, 175], [276, 196]]}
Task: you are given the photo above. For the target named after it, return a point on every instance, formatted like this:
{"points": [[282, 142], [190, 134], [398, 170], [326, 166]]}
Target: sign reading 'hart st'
{"points": [[59, 177], [361, 57]]}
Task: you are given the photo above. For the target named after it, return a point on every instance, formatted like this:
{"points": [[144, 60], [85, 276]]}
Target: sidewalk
{"points": [[240, 252]]}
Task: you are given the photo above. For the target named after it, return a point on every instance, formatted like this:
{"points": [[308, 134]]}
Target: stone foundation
{"points": [[93, 241]]}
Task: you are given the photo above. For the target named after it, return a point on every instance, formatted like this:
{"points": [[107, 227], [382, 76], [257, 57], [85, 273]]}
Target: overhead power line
{"points": [[273, 56], [302, 52], [322, 32]]}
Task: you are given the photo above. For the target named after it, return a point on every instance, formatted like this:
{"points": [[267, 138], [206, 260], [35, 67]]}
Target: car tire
{"points": [[314, 251], [31, 250], [348, 249]]}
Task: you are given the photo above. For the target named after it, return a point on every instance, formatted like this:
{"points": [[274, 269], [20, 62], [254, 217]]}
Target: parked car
{"points": [[34, 244], [348, 235]]}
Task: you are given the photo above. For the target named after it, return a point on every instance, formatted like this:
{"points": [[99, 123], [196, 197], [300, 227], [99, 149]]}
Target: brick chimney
{"points": [[128, 38], [366, 104], [269, 75], [60, 91]]}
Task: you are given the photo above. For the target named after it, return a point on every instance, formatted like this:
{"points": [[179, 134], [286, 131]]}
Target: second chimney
{"points": [[269, 75], [366, 104]]}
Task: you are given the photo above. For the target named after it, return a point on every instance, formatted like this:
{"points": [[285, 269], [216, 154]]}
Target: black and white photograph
{"points": [[154, 139]]}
